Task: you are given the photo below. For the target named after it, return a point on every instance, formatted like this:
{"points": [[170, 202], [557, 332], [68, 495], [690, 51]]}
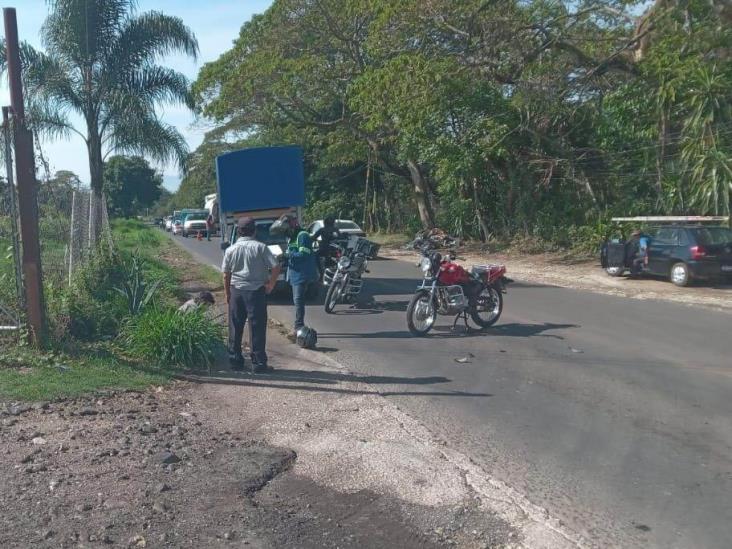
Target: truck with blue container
{"points": [[262, 183]]}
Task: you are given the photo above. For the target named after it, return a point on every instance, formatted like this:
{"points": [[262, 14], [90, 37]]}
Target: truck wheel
{"points": [[680, 274]]}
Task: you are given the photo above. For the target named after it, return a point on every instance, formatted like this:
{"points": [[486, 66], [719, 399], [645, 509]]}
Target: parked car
{"points": [[177, 227], [193, 223], [684, 253]]}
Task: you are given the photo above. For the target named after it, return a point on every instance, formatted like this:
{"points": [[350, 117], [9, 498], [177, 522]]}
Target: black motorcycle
{"points": [[344, 281]]}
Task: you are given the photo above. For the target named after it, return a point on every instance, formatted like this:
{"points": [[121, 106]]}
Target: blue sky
{"points": [[216, 24]]}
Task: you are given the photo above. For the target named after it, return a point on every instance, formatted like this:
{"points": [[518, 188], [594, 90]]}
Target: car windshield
{"points": [[263, 234], [709, 236], [346, 225], [196, 217]]}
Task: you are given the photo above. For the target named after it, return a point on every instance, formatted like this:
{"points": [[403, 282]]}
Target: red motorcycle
{"points": [[449, 289]]}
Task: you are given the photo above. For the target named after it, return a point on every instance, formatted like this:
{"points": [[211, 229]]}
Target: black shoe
{"points": [[260, 368]]}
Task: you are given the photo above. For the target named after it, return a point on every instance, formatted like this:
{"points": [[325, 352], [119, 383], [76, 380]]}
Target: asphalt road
{"points": [[614, 414]]}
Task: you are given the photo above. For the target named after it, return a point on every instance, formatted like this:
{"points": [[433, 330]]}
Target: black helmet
{"points": [[307, 338], [329, 220]]}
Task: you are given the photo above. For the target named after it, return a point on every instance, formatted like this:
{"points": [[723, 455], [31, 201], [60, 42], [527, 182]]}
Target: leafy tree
{"points": [[131, 185], [489, 118], [100, 62]]}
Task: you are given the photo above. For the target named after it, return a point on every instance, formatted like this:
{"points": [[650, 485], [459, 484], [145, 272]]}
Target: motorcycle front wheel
{"points": [[489, 309], [333, 296], [421, 314]]}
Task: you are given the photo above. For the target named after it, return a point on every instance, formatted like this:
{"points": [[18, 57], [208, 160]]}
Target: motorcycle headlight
{"points": [[344, 262], [425, 265]]}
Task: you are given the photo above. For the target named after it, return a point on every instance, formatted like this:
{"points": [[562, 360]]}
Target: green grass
{"points": [[70, 379], [29, 375]]}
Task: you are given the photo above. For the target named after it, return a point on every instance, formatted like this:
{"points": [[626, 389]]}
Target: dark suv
{"points": [[688, 252]]}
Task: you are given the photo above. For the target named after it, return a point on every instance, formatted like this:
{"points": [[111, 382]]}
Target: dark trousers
{"points": [[298, 299], [248, 305]]}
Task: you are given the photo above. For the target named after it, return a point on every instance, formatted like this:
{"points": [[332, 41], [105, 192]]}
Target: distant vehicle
{"points": [[193, 224], [177, 227], [684, 253], [345, 226], [168, 223]]}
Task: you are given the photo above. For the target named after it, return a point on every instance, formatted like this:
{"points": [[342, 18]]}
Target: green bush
{"points": [[169, 338]]}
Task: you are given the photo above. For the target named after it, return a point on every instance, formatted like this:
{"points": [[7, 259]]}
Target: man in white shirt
{"points": [[250, 272]]}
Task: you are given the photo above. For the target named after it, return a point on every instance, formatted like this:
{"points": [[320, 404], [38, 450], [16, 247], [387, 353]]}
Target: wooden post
{"points": [[27, 186]]}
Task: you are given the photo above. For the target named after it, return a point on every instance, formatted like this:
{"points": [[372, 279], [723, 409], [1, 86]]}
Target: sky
{"points": [[216, 24]]}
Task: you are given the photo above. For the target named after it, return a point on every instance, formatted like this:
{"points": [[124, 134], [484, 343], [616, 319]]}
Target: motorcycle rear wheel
{"points": [[333, 296], [420, 327], [486, 319]]}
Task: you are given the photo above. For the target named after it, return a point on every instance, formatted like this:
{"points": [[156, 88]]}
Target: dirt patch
{"points": [[148, 469], [560, 270], [133, 469]]}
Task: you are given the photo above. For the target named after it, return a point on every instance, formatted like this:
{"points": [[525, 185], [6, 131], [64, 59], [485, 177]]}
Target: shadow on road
{"points": [[319, 381], [447, 332]]}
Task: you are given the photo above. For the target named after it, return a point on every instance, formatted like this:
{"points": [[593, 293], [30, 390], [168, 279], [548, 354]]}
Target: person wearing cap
{"points": [[250, 272]]}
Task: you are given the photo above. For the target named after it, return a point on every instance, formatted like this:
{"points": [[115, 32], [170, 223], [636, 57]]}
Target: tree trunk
{"points": [[421, 195], [96, 173], [479, 212], [661, 157]]}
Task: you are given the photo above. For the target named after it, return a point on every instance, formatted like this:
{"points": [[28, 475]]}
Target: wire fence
{"points": [[73, 224]]}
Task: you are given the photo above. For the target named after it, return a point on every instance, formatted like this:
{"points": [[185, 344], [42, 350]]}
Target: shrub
{"points": [[135, 289], [169, 338]]}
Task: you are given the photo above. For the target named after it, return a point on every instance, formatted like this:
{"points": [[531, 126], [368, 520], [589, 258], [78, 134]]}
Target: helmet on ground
{"points": [[307, 338]]}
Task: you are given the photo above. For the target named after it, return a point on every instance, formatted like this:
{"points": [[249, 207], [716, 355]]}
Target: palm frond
{"points": [[147, 37], [154, 85], [149, 136], [82, 31]]}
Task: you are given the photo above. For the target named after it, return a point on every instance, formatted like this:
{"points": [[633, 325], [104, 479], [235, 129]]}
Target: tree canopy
{"points": [[489, 117], [131, 185]]}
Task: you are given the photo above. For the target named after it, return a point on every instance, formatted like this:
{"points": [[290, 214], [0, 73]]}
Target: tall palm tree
{"points": [[101, 63]]}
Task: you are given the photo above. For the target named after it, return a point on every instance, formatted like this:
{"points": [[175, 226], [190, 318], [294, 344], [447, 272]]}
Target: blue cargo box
{"points": [[260, 179]]}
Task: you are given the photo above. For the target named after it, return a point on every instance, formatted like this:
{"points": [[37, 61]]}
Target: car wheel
{"points": [[680, 274]]}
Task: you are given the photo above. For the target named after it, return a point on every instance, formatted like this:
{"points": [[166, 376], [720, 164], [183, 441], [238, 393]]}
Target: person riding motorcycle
{"points": [[325, 236]]}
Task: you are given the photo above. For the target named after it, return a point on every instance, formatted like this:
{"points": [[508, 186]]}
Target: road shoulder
{"points": [[587, 275]]}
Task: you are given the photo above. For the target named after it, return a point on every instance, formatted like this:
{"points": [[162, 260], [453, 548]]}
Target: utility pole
{"points": [[27, 186]]}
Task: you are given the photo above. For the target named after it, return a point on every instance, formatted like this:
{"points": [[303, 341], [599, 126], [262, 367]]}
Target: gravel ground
{"points": [[308, 456]]}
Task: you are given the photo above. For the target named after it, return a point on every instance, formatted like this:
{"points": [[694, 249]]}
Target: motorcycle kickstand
{"points": [[464, 317]]}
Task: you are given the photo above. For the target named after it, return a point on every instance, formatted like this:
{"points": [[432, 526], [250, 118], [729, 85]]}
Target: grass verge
{"points": [[73, 378]]}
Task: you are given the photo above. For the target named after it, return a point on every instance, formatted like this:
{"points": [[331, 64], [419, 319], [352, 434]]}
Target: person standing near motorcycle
{"points": [[302, 271], [302, 268], [250, 272]]}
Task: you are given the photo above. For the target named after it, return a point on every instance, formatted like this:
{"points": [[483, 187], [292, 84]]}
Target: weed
{"points": [[170, 338]]}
